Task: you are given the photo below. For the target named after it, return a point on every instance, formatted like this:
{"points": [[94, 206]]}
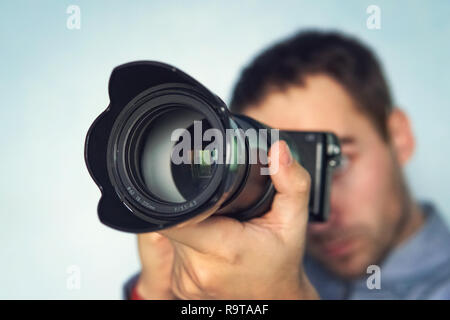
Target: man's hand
{"points": [[222, 258]]}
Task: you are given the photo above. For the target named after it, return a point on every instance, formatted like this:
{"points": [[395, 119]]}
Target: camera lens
{"points": [[172, 158], [162, 154]]}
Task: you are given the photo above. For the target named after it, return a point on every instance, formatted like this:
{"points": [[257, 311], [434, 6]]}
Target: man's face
{"points": [[367, 197]]}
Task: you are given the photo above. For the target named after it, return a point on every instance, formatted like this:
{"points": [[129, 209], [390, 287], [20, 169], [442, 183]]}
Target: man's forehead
{"points": [[321, 104]]}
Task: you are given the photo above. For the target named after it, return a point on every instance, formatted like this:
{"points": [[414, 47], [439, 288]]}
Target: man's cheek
{"points": [[374, 193], [369, 180], [358, 199]]}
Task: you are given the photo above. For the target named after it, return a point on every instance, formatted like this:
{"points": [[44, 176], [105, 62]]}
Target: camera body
{"points": [[126, 155]]}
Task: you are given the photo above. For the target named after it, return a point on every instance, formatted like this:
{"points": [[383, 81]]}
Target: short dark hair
{"points": [[343, 58]]}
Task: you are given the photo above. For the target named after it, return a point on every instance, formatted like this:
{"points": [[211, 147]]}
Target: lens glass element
{"points": [[172, 169]]}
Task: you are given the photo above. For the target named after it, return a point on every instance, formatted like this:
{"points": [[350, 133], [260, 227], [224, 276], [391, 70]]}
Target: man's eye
{"points": [[344, 164]]}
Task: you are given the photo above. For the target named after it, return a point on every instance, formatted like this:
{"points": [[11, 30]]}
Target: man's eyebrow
{"points": [[347, 140]]}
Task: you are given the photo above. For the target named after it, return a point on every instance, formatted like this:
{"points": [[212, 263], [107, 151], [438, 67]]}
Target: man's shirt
{"points": [[419, 268]]}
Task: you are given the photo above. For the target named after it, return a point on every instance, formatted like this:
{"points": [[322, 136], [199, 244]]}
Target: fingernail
{"points": [[286, 156]]}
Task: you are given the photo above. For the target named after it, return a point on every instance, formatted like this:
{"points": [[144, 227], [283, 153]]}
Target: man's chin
{"points": [[348, 270], [349, 266]]}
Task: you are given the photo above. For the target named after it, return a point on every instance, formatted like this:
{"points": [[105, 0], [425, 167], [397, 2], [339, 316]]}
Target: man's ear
{"points": [[401, 136]]}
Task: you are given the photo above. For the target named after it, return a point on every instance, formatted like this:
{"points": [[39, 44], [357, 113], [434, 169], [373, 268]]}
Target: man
{"points": [[327, 82]]}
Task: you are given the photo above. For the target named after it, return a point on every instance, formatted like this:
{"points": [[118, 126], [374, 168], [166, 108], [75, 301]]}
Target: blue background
{"points": [[53, 83]]}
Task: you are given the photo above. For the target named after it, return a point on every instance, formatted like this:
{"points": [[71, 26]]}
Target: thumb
{"points": [[292, 183]]}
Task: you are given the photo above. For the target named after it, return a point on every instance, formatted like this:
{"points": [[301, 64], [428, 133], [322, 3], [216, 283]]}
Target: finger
{"points": [[208, 236], [292, 183], [154, 247], [153, 241], [151, 238]]}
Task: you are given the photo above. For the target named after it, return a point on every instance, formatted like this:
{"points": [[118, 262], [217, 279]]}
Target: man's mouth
{"points": [[338, 247]]}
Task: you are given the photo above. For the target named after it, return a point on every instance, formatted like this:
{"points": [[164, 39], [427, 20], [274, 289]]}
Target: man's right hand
{"points": [[156, 254]]}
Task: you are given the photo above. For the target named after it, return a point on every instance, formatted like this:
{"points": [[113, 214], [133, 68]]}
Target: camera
{"points": [[168, 151]]}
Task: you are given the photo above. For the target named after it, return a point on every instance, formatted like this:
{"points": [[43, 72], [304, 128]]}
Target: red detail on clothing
{"points": [[135, 295]]}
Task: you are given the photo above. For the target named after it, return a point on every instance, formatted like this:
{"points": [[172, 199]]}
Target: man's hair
{"points": [[290, 61]]}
